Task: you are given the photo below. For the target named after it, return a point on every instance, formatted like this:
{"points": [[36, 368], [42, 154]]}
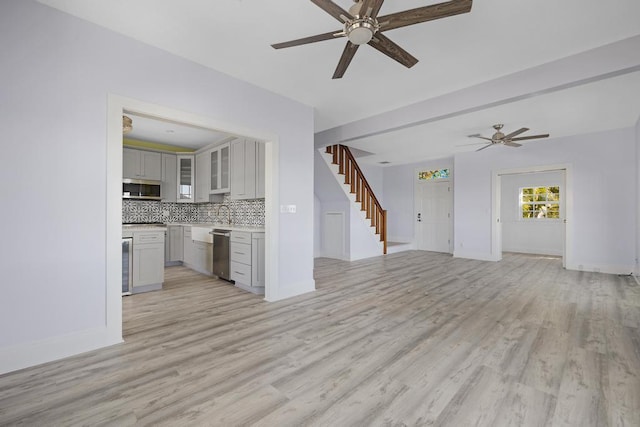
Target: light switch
{"points": [[287, 208]]}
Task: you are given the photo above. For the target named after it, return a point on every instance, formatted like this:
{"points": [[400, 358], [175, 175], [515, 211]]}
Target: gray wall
{"points": [[603, 166], [57, 74]]}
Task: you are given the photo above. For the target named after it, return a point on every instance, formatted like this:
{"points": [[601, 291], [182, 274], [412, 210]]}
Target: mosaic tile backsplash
{"points": [[243, 212]]}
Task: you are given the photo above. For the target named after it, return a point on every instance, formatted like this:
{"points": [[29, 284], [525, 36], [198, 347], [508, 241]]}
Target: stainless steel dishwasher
{"points": [[221, 252]]}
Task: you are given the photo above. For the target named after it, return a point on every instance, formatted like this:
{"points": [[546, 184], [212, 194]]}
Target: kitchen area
{"points": [[191, 197]]}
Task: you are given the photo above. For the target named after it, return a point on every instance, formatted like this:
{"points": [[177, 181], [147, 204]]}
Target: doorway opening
{"points": [[532, 211], [117, 105]]}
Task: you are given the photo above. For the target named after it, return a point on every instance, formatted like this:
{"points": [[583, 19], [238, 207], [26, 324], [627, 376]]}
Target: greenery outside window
{"points": [[540, 202]]}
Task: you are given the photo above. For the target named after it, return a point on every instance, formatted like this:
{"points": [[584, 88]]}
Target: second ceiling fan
{"points": [[362, 25], [500, 138]]}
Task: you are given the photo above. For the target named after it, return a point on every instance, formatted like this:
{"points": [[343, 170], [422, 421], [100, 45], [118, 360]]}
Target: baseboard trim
{"points": [[601, 268], [34, 353], [293, 290], [480, 256]]}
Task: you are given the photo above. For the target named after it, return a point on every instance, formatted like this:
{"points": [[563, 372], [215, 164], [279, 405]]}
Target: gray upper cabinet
{"points": [[243, 169], [186, 178], [169, 189], [140, 164], [218, 169], [260, 169], [202, 177]]}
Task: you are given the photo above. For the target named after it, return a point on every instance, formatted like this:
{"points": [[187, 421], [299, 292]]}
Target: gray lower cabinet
{"points": [[257, 259], [203, 257], [247, 261], [197, 255], [188, 247], [148, 261], [174, 245]]}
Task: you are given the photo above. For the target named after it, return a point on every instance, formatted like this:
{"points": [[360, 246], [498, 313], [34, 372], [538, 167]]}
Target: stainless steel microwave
{"points": [[144, 189]]}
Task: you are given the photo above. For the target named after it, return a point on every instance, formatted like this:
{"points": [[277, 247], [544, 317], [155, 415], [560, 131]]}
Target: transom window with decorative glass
{"points": [[540, 202]]}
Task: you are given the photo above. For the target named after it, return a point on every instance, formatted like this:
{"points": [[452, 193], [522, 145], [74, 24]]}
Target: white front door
{"points": [[433, 216]]}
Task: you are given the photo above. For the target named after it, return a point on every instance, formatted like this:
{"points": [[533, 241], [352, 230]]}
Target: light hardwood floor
{"points": [[413, 338]]}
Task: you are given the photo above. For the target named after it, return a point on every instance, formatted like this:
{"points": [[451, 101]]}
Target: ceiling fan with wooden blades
{"points": [[508, 140], [362, 25]]}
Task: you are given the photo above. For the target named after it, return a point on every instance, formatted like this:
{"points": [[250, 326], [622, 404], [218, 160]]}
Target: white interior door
{"points": [[333, 238], [433, 216]]}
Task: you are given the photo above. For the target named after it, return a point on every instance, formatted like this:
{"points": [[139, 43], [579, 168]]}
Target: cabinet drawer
{"points": [[241, 237], [187, 231], [241, 252], [142, 237], [241, 273]]}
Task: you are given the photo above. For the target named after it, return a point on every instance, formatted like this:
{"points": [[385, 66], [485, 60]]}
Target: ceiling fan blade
{"points": [[424, 14], [523, 138], [371, 8], [481, 137], [511, 144], [392, 50], [468, 145], [512, 134], [306, 40], [486, 146], [332, 9], [347, 55]]}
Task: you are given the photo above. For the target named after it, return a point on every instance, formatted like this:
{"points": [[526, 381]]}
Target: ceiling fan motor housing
{"points": [[361, 30]]}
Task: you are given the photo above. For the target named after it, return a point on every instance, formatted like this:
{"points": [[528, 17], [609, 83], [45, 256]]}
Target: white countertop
{"points": [[249, 229], [128, 229]]}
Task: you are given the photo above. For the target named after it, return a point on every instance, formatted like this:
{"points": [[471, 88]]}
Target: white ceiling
{"points": [[172, 133], [599, 106], [497, 38]]}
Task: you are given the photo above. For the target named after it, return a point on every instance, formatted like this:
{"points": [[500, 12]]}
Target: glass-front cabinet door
{"points": [[220, 169], [185, 178], [224, 168], [215, 160]]}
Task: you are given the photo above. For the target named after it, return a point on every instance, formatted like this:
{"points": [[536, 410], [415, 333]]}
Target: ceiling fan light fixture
{"points": [[127, 124], [361, 30]]}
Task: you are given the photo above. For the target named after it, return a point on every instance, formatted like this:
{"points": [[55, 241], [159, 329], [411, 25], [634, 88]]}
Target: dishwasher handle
{"points": [[217, 233]]}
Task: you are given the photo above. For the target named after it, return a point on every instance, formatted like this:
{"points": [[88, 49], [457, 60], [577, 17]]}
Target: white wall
{"points": [[544, 236], [363, 242], [58, 73], [375, 177], [637, 267], [398, 183], [317, 218], [603, 166]]}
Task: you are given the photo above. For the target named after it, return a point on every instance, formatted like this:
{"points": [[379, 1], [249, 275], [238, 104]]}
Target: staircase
{"points": [[358, 186]]}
